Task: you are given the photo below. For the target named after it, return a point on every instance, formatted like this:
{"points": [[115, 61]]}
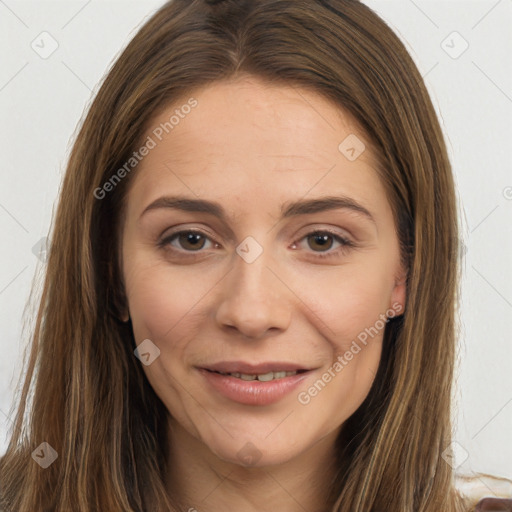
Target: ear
{"points": [[121, 305], [120, 311], [399, 293]]}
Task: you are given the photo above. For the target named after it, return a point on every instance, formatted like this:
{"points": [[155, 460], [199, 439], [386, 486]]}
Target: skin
{"points": [[251, 147]]}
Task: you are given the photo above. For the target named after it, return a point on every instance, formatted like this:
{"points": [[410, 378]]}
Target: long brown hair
{"points": [[89, 398]]}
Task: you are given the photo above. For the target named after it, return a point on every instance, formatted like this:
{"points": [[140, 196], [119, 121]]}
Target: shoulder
{"points": [[487, 493], [494, 505]]}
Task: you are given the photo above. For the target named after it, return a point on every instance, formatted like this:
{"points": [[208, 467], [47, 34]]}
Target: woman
{"points": [[250, 293]]}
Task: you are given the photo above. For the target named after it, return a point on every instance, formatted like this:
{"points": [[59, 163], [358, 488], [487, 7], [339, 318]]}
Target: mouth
{"points": [[244, 368], [261, 384], [261, 377]]}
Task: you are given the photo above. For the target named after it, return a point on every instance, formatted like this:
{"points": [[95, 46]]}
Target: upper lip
{"points": [[254, 369]]}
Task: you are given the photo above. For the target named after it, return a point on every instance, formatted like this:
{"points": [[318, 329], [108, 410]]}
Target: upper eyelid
{"points": [[310, 231], [307, 230]]}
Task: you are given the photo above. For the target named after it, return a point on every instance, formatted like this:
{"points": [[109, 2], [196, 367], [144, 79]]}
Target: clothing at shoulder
{"points": [[491, 493], [494, 505]]}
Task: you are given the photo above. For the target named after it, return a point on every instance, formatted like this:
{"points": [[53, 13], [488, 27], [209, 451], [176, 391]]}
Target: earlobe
{"points": [[399, 294], [121, 314], [120, 306]]}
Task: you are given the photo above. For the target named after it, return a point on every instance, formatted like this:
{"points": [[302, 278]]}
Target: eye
{"points": [[320, 241], [189, 240], [324, 241]]}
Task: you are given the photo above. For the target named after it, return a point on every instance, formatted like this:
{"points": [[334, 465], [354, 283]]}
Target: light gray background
{"points": [[42, 99]]}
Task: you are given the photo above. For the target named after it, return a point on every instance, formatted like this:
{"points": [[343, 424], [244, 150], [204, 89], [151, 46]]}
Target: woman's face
{"points": [[254, 272]]}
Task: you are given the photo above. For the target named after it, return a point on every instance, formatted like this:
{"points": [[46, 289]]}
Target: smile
{"points": [[262, 377], [256, 389]]}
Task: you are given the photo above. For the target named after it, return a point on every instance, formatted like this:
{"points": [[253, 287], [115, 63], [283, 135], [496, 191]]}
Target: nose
{"points": [[255, 302]]}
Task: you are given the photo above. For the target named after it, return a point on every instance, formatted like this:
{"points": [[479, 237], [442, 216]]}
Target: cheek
{"points": [[349, 303], [163, 304], [350, 315], [164, 308]]}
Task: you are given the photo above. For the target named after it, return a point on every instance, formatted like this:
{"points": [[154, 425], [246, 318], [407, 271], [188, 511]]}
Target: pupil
{"points": [[193, 238], [322, 241]]}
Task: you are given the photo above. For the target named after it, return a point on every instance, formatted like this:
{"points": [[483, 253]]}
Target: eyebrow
{"points": [[289, 209]]}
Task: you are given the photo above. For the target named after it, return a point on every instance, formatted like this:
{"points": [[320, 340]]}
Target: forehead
{"points": [[249, 137]]}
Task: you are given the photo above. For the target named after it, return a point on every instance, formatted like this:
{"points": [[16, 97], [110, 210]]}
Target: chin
{"points": [[249, 450], [251, 456]]}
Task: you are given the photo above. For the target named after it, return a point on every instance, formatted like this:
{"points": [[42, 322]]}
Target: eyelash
{"points": [[346, 244]]}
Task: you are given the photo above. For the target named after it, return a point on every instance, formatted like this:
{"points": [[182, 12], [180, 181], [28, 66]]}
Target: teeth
{"points": [[264, 377]]}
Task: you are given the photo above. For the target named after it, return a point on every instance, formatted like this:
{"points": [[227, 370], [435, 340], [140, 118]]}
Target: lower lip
{"points": [[253, 392]]}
